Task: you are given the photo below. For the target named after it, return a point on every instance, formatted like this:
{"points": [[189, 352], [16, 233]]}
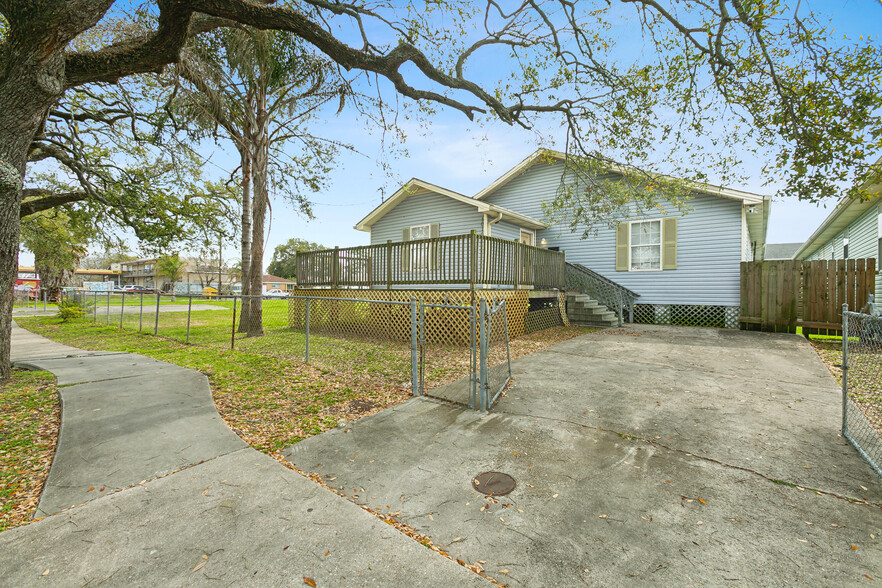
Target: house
{"points": [[781, 251], [141, 272], [271, 282], [685, 267], [852, 231]]}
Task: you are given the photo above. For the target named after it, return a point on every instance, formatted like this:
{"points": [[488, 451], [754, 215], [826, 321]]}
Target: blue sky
{"points": [[447, 149]]}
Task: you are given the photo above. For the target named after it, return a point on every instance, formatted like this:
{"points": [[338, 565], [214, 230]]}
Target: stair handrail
{"points": [[614, 296]]}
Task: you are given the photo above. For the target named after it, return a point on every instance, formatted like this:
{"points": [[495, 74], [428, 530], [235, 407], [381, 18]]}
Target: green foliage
{"points": [[284, 262], [69, 309], [171, 266], [58, 239]]}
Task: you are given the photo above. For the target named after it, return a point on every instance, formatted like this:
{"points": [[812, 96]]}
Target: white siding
{"points": [[453, 217], [709, 245]]}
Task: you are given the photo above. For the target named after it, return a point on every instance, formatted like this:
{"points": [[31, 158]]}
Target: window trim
{"points": [[528, 232], [661, 244], [415, 252]]}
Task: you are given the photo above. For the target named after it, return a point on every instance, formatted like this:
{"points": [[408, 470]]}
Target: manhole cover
{"points": [[495, 483]]}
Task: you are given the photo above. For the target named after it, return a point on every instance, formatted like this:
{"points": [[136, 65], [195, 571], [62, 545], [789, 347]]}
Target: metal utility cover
{"points": [[493, 483]]}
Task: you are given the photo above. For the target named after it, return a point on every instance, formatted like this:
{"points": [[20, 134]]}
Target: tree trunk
{"points": [[31, 84], [51, 278], [244, 317], [261, 200]]}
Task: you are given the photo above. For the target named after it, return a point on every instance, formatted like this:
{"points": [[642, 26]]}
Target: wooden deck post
{"points": [[473, 255], [335, 268], [389, 264]]}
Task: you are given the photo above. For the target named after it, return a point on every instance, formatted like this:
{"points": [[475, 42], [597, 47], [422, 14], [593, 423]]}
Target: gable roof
{"points": [[276, 279], [781, 250], [416, 187], [545, 154], [846, 212]]}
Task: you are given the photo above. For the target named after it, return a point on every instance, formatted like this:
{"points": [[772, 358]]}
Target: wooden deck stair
{"points": [[585, 311]]}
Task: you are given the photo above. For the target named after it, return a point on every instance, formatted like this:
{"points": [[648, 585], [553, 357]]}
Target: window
{"points": [[845, 249], [526, 237], [419, 252], [646, 245]]}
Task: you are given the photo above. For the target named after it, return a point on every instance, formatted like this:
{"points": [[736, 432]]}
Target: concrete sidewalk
{"points": [[168, 495]]}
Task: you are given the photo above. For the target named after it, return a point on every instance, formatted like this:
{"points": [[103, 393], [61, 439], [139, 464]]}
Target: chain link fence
{"points": [[862, 385], [495, 353], [415, 344]]}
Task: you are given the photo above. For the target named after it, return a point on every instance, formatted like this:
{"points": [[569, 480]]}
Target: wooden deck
{"points": [[468, 261]]}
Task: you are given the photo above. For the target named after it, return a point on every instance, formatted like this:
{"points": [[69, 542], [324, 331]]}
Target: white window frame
{"points": [[661, 242], [419, 256]]}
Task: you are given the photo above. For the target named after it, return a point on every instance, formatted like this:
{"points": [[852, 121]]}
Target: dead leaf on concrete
{"points": [[309, 581]]}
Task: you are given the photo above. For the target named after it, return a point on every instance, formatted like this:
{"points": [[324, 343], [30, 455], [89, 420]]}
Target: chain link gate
{"points": [[862, 384], [488, 345]]}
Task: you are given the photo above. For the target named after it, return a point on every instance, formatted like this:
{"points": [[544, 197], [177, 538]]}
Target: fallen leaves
{"points": [[29, 419], [309, 581]]}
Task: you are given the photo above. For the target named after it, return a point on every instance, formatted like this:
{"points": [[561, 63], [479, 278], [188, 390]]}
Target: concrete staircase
{"points": [[585, 311]]}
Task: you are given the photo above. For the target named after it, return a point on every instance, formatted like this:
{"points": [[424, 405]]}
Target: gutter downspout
{"points": [[487, 224]]}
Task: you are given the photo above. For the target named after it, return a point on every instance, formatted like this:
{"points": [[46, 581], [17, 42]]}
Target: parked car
{"points": [[276, 293], [135, 289]]}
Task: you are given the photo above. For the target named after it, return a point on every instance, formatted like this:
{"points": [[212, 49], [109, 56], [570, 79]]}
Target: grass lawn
{"points": [[29, 416], [264, 391]]}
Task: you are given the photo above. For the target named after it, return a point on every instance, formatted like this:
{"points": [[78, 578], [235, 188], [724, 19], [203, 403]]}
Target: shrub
{"points": [[70, 309]]}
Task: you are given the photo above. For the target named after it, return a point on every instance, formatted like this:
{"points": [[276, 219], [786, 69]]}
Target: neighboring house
{"points": [[271, 282], [852, 231], [27, 275], [141, 272], [685, 264], [781, 251]]}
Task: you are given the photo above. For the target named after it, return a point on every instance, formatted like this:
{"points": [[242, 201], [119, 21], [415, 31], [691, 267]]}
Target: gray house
{"points": [[852, 231], [685, 267]]}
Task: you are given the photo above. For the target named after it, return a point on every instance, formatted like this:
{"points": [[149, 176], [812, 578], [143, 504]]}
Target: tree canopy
{"points": [[284, 263]]}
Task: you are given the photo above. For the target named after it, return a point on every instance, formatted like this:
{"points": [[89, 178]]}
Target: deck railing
{"points": [[614, 296], [467, 260]]}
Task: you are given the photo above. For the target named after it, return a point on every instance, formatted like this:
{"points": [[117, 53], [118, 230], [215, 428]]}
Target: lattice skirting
{"points": [[444, 326], [690, 315]]}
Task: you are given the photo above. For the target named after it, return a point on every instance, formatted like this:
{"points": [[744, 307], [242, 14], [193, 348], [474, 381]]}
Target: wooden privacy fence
{"points": [[783, 295], [469, 260]]}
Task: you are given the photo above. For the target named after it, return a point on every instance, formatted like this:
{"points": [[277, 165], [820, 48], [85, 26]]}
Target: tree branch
{"points": [[36, 200]]}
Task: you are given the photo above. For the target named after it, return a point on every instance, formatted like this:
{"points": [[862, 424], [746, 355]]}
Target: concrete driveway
{"points": [[646, 455]]}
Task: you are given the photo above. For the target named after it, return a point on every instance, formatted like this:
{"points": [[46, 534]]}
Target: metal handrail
{"points": [[614, 296]]}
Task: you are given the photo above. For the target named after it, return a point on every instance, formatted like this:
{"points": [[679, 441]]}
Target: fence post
{"points": [[189, 309], [45, 296], [108, 307], [156, 316], [95, 307], [473, 372], [414, 371], [335, 268], [482, 357], [141, 312], [122, 311], [307, 328], [233, 330], [473, 259], [845, 370], [389, 264]]}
